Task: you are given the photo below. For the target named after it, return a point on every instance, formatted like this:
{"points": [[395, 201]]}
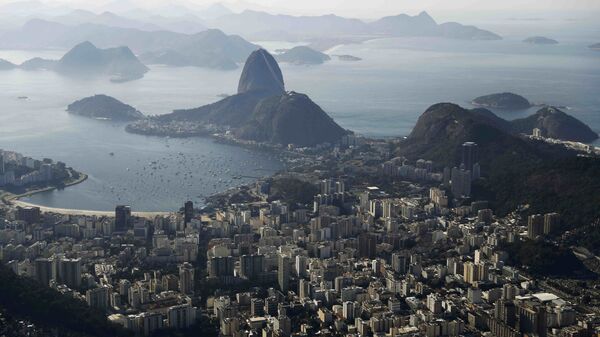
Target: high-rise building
{"points": [[348, 310], [221, 266], [44, 271], [181, 316], [551, 222], [2, 169], [469, 155], [186, 278], [122, 218], [367, 245], [535, 226], [251, 266], [399, 263], [283, 273], [188, 211], [69, 272], [301, 265], [98, 298]]}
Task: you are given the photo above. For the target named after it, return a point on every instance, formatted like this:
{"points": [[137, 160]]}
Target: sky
{"points": [[371, 8]]}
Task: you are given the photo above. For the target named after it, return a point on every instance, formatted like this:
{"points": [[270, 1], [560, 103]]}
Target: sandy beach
{"points": [[44, 209]]}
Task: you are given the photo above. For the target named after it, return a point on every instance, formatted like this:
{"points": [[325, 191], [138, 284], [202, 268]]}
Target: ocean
{"points": [[381, 96]]}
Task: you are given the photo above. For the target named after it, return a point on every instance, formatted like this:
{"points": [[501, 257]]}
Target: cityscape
{"points": [[482, 220]]}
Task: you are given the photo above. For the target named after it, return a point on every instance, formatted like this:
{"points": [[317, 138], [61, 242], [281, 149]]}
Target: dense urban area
{"points": [[349, 241]]}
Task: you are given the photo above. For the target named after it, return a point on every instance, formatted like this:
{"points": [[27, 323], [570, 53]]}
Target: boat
{"points": [[111, 154]]}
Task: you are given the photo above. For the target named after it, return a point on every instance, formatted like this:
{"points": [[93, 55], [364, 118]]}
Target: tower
{"points": [[122, 218]]}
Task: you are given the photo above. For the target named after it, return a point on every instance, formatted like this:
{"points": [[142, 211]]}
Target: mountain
{"points": [[505, 100], [291, 118], [302, 55], [38, 63], [5, 65], [555, 124], [256, 25], [214, 11], [540, 40], [104, 107], [210, 48], [406, 25], [79, 17], [424, 25], [85, 59], [261, 73], [262, 25], [260, 111]]}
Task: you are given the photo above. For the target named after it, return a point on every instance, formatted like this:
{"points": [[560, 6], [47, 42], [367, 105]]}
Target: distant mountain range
{"points": [[262, 25], [210, 48], [262, 110], [185, 40], [86, 60]]}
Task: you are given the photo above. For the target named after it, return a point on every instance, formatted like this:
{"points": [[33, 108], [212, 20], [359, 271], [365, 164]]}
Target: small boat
{"points": [[111, 154]]}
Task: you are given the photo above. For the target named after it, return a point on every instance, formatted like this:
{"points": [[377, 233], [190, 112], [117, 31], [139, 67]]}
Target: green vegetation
{"points": [[25, 298], [293, 191], [545, 259]]}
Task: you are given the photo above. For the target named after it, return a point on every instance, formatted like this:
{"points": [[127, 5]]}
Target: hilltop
{"points": [[104, 107], [261, 111], [303, 55], [505, 100]]}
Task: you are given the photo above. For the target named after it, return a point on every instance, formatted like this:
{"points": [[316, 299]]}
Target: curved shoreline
{"points": [[68, 211], [14, 200]]}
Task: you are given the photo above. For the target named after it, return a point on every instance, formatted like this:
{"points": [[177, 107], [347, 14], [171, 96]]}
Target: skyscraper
{"points": [[283, 273], [251, 266], [188, 211], [186, 278], [69, 272], [122, 218], [469, 155]]}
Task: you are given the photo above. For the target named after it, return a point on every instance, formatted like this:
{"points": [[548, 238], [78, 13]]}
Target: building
{"points": [[186, 278], [98, 298], [469, 155], [123, 219], [181, 316], [188, 211], [44, 271], [535, 226], [69, 272], [283, 273], [251, 266]]}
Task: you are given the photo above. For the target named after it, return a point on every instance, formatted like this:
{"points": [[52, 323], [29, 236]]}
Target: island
{"points": [[302, 55], [5, 65], [261, 112], [348, 58], [505, 100], [86, 60], [104, 107], [540, 40]]}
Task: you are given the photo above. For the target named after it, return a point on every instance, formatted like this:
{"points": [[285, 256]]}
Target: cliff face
{"points": [[291, 119], [555, 124], [261, 74]]}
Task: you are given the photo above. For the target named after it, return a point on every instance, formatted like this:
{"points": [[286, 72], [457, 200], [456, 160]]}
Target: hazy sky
{"points": [[371, 8]]}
